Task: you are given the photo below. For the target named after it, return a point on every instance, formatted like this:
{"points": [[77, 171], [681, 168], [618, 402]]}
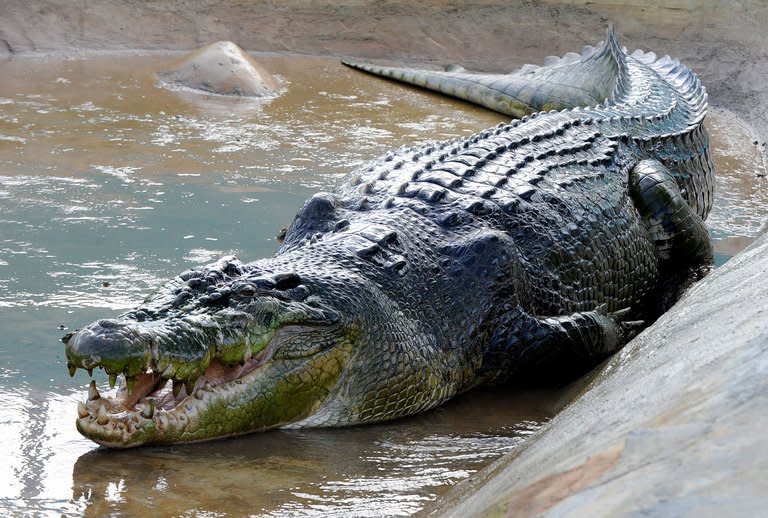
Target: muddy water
{"points": [[110, 184]]}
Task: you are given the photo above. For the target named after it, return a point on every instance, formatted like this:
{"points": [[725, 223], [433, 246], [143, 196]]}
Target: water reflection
{"points": [[38, 451], [110, 184], [367, 471]]}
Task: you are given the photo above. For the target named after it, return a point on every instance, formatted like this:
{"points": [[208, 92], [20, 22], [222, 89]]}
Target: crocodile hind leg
{"points": [[681, 238]]}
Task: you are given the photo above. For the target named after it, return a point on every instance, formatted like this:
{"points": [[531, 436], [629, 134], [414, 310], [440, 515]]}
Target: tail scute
{"points": [[570, 81]]}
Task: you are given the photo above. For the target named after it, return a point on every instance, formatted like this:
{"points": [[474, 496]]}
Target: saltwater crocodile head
{"points": [[223, 350]]}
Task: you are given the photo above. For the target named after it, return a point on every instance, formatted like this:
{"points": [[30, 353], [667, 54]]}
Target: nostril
{"points": [[286, 281], [232, 269]]}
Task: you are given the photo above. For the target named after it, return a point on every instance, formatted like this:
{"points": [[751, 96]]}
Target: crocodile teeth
{"points": [[149, 410], [102, 417], [93, 392], [82, 411], [177, 387]]}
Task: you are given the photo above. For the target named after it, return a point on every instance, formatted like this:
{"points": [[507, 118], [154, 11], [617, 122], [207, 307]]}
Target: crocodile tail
{"points": [[685, 81], [585, 79]]}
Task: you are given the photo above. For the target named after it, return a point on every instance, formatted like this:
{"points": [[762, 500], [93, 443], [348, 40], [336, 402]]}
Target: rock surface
{"points": [[222, 68], [673, 425]]}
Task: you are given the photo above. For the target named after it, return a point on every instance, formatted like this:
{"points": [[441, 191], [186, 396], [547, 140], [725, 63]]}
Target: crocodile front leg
{"points": [[526, 349]]}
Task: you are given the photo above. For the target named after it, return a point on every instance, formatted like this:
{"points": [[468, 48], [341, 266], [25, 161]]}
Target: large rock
{"points": [[221, 68], [673, 425]]}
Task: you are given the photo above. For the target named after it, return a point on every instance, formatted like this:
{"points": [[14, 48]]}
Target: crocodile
{"points": [[521, 254]]}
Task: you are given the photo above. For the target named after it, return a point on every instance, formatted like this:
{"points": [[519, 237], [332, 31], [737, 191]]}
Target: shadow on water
{"points": [[110, 184]]}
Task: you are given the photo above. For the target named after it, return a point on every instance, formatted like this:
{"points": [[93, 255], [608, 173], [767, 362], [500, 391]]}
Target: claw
{"points": [[93, 392], [102, 418], [72, 368], [620, 314], [82, 411], [90, 371], [633, 323]]}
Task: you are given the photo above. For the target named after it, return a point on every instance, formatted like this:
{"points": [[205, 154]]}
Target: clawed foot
{"points": [[625, 329]]}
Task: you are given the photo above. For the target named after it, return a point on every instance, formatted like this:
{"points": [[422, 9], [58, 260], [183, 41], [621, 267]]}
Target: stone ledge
{"points": [[673, 425]]}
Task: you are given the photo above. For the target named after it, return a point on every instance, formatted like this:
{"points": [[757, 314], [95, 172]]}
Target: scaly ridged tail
{"points": [[573, 80]]}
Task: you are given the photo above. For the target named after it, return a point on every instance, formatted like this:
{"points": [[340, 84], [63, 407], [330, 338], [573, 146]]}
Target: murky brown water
{"points": [[110, 184]]}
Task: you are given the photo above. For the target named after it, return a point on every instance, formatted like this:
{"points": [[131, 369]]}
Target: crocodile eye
{"points": [[286, 281]]}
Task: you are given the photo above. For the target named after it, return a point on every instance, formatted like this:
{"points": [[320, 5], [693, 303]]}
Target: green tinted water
{"points": [[110, 184]]}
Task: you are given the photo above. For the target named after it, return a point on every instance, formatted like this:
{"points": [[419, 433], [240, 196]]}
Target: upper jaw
{"points": [[224, 311]]}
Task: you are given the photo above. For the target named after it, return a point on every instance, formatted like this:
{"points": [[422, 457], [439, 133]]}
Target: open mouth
{"points": [[150, 401]]}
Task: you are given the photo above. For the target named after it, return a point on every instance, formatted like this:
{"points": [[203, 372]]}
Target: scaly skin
{"points": [[526, 252]]}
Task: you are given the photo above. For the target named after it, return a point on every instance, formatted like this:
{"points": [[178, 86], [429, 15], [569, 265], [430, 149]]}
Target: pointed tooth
{"points": [[102, 417], [130, 382], [149, 411], [112, 380], [82, 411], [176, 388], [189, 386], [72, 368], [93, 392]]}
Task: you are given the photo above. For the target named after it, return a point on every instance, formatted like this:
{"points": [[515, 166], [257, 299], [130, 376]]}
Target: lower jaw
{"points": [[181, 424], [265, 397], [131, 419]]}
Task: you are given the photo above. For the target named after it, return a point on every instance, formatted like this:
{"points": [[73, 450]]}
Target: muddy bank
{"points": [[723, 42]]}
